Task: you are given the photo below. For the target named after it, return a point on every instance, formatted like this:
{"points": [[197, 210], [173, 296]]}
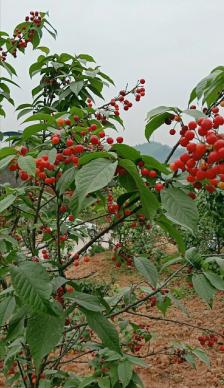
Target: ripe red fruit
{"points": [[102, 134], [191, 147], [78, 149], [219, 144], [69, 142], [94, 140], [184, 142], [67, 121], [213, 157], [117, 264], [23, 175], [192, 125], [120, 139], [76, 118], [189, 135], [221, 348], [215, 110], [152, 173], [71, 217], [23, 150], [218, 120], [93, 127], [206, 124], [55, 140], [50, 181], [211, 138], [144, 172], [172, 131], [110, 140], [142, 81], [159, 186]]}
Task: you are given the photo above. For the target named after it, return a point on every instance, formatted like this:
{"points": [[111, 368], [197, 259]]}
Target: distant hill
{"points": [[158, 151]]}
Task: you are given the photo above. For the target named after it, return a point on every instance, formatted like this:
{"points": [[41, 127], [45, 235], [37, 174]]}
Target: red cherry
{"points": [[76, 118], [120, 139], [189, 135], [23, 175], [71, 217], [55, 140], [23, 150], [110, 140], [142, 81], [94, 140], [192, 125], [69, 142], [78, 149], [67, 121], [206, 124], [144, 171], [172, 132], [159, 186], [152, 173], [102, 134]]}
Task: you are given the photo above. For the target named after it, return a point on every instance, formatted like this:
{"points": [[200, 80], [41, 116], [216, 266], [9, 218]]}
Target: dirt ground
{"points": [[161, 371]]}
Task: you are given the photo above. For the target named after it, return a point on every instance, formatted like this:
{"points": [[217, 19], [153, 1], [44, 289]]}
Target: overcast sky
{"points": [[170, 43]]}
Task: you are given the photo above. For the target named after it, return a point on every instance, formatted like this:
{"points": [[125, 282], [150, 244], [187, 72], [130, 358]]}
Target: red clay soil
{"points": [[161, 371]]}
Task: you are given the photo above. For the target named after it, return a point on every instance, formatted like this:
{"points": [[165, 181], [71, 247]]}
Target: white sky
{"points": [[170, 43]]}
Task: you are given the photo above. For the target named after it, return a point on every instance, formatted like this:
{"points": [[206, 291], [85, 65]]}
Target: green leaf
{"points": [[137, 361], [43, 49], [175, 260], [86, 57], [86, 158], [166, 225], [126, 152], [104, 329], [104, 382], [24, 112], [202, 356], [66, 179], [35, 68], [180, 208], [203, 288], [33, 130], [6, 202], [164, 304], [150, 162], [32, 284], [7, 151], [89, 302], [41, 116], [76, 87], [147, 269], [194, 113], [94, 176], [43, 334], [125, 372], [149, 201], [215, 280], [7, 307], [155, 122], [5, 161], [193, 95], [27, 163], [161, 109]]}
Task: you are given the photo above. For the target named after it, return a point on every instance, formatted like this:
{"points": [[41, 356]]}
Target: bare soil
{"points": [[162, 371]]}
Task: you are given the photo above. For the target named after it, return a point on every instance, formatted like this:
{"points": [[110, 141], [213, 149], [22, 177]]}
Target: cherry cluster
{"points": [[204, 156], [120, 256], [208, 340], [139, 338], [113, 106], [22, 36]]}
